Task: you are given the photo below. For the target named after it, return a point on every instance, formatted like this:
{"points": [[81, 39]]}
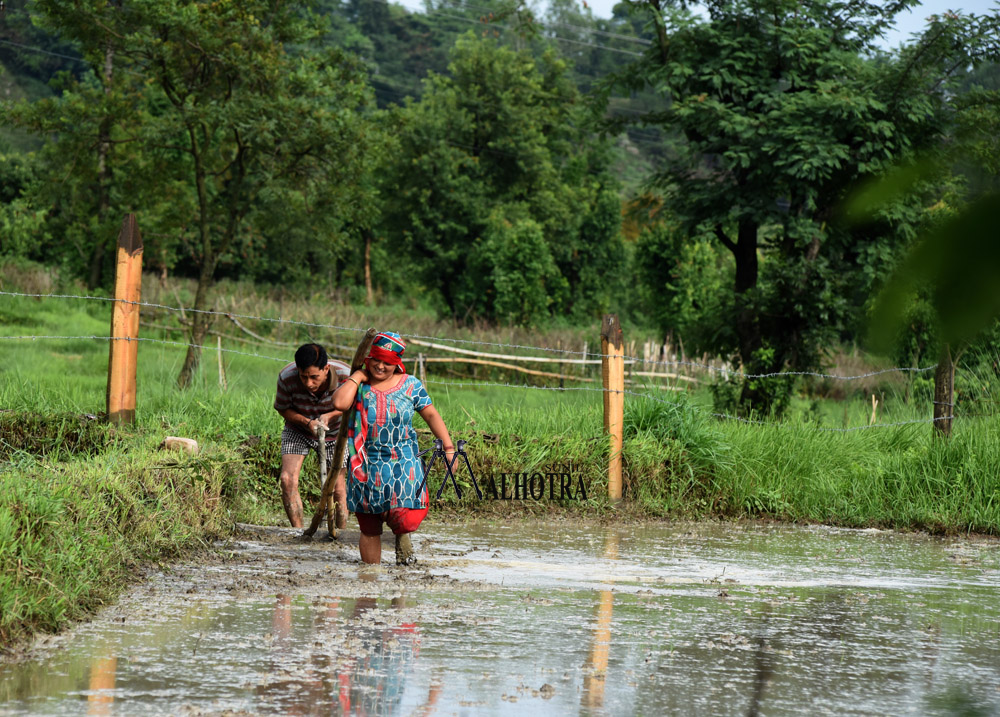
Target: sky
{"points": [[906, 23]]}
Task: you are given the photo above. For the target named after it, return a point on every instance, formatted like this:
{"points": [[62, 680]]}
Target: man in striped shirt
{"points": [[305, 400]]}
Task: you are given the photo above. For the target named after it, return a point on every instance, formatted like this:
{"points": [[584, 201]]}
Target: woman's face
{"points": [[379, 370]]}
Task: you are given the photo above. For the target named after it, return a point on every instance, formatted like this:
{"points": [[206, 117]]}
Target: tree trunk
{"points": [[747, 321], [200, 323], [369, 295], [944, 392], [199, 320]]}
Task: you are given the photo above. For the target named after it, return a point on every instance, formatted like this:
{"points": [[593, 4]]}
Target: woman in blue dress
{"points": [[385, 480]]}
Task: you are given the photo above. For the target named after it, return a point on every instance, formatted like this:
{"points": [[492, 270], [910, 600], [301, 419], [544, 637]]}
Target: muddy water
{"points": [[569, 619]]}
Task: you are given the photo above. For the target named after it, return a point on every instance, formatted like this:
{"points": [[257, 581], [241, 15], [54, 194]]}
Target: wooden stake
{"points": [[338, 452], [613, 373], [124, 345]]}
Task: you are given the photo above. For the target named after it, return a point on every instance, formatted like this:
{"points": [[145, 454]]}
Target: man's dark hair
{"points": [[310, 355]]}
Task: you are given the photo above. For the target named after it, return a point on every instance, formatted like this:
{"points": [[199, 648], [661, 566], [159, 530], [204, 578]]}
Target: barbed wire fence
{"points": [[445, 343]]}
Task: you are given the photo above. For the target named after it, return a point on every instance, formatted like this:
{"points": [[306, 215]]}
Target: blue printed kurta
{"points": [[390, 476]]}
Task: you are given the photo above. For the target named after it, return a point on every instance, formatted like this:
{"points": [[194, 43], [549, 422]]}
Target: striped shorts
{"points": [[299, 444]]}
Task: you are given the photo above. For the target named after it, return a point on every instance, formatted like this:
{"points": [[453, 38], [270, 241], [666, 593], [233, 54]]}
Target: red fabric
{"points": [[400, 520], [387, 356], [357, 431]]}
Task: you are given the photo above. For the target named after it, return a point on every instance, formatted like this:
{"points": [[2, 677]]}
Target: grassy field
{"points": [[83, 504]]}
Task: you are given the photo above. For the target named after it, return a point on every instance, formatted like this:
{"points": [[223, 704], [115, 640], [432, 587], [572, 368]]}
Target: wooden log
{"points": [[338, 452], [613, 370], [656, 374], [123, 351], [482, 354], [512, 367]]}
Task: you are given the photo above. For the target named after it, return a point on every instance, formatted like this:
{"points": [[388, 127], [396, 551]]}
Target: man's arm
{"points": [[309, 425]]}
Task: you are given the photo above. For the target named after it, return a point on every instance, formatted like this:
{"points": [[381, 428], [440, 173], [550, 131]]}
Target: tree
{"points": [[252, 133], [780, 107], [498, 150], [950, 275]]}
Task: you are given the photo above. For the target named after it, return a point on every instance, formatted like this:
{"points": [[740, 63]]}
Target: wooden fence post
{"points": [[613, 374], [124, 343]]}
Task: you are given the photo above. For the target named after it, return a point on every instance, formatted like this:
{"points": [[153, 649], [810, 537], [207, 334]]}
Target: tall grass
{"points": [[76, 518]]}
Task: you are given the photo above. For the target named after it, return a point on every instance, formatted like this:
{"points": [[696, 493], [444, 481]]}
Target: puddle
{"points": [[543, 619]]}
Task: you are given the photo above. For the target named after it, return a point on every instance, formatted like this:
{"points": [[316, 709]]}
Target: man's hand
{"points": [[314, 425]]}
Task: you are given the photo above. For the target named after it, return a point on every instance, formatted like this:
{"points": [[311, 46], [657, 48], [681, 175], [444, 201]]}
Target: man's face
{"points": [[313, 377]]}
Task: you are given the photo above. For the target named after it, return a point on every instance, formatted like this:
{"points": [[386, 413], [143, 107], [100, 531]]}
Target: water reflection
{"points": [[306, 689], [359, 659], [101, 696], [596, 667]]}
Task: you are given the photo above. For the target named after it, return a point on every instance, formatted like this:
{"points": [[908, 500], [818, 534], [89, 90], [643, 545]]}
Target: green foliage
{"points": [[23, 36], [683, 284], [71, 531], [500, 132], [960, 261], [519, 271], [21, 222]]}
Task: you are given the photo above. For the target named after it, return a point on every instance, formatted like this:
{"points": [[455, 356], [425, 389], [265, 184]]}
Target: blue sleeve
{"points": [[421, 399]]}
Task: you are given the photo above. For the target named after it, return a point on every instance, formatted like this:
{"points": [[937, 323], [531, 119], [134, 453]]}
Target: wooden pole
{"points": [[124, 345], [613, 373], [338, 452]]}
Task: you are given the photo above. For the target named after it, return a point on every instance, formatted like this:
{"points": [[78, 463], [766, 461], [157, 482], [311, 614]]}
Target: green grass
{"points": [[82, 503]]}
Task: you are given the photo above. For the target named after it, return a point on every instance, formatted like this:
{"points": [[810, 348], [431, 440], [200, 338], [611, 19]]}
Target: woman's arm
{"points": [[328, 417], [343, 397], [440, 431]]}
